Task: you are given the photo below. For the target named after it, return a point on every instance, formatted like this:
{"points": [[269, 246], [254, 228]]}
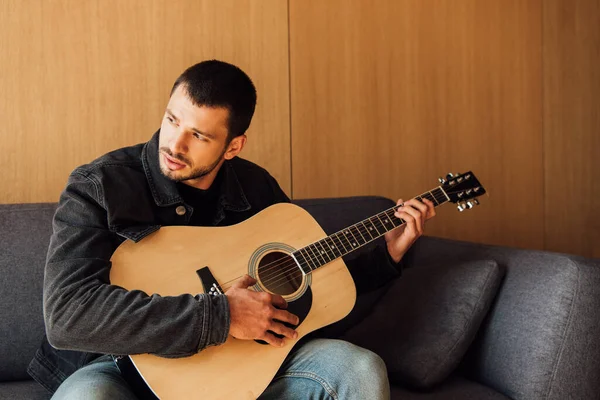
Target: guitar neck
{"points": [[353, 237]]}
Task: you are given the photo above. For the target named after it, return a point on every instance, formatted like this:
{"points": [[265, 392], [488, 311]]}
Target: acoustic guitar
{"points": [[287, 252]]}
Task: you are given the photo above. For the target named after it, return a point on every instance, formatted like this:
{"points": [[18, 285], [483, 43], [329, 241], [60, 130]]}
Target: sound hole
{"points": [[279, 273]]}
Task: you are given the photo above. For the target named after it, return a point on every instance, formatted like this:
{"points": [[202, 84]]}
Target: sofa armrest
{"points": [[541, 339]]}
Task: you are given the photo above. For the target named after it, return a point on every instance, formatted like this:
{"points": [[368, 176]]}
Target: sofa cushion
{"points": [[424, 324], [25, 231], [540, 340], [455, 388]]}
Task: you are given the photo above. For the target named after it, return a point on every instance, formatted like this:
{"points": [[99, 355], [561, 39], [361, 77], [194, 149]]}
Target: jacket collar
{"points": [[165, 192]]}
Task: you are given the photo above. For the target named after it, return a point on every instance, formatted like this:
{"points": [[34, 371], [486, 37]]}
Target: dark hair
{"points": [[216, 83]]}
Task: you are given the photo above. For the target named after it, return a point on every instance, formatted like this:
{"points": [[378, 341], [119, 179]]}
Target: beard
{"points": [[195, 173]]}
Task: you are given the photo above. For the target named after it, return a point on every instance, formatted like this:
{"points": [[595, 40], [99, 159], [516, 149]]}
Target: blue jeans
{"points": [[318, 369]]}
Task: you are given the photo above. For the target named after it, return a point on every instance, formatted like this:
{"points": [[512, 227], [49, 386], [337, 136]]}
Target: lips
{"points": [[172, 163]]}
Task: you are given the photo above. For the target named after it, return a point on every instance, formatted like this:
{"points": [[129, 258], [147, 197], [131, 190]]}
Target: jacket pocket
{"points": [[135, 232]]}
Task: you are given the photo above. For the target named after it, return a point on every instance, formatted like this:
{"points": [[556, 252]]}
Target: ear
{"points": [[235, 147]]}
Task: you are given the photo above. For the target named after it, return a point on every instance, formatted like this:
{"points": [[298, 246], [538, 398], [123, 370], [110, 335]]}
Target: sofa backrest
{"points": [[25, 231]]}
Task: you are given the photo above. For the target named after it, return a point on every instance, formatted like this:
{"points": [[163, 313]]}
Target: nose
{"points": [[178, 142]]}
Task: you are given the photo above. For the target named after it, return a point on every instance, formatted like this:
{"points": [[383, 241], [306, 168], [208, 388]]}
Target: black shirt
{"points": [[204, 202]]}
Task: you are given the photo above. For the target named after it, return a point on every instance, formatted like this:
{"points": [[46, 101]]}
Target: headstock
{"points": [[462, 189]]}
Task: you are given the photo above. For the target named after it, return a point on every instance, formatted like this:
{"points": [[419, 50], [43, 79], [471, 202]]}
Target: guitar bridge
{"points": [[209, 283]]}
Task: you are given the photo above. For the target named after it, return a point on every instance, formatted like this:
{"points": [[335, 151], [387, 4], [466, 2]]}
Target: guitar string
{"points": [[291, 265], [286, 264], [348, 243], [287, 261]]}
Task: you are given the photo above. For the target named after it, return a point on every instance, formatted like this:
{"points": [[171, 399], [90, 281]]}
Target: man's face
{"points": [[193, 141]]}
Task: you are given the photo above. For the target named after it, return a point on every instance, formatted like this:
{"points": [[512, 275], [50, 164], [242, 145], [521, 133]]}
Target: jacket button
{"points": [[180, 210]]}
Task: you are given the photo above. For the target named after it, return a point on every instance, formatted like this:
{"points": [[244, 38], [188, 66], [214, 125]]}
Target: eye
{"points": [[200, 137], [170, 119]]}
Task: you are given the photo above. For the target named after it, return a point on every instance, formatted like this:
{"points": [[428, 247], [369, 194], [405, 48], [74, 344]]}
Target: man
{"points": [[187, 174]]}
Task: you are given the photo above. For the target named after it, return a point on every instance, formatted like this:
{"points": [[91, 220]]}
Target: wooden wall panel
{"points": [[388, 95], [80, 78], [572, 125]]}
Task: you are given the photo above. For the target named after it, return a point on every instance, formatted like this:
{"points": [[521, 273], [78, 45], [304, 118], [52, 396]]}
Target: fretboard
{"points": [[347, 240]]}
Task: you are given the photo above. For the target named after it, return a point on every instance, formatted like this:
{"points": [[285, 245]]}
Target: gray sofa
{"points": [[540, 338]]}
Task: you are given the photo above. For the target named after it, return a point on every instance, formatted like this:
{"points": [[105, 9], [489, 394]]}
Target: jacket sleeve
{"points": [[83, 311], [278, 195], [372, 269]]}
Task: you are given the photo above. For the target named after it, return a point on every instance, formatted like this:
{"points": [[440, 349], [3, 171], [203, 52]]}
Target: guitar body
{"points": [[166, 263]]}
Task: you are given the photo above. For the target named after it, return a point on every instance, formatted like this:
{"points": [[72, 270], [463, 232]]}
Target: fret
{"points": [[343, 246], [318, 252], [429, 196], [315, 250], [369, 231], [433, 199], [325, 246], [353, 242], [393, 218], [398, 219], [440, 196], [315, 255], [314, 259], [373, 227], [443, 194], [297, 255], [401, 221], [314, 266], [333, 247], [385, 221], [378, 224], [350, 238], [383, 228], [323, 251], [439, 192], [356, 227]]}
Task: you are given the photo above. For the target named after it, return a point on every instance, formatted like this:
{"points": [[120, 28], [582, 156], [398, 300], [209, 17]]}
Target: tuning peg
{"points": [[450, 175], [470, 204], [460, 194], [461, 207], [441, 180], [475, 201]]}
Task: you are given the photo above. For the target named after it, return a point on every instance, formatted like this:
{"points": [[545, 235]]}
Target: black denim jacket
{"points": [[123, 195]]}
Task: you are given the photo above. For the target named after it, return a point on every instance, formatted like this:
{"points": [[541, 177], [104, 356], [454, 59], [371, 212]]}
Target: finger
{"points": [[399, 204], [412, 218], [244, 282], [278, 301], [272, 339], [416, 204], [430, 208], [285, 316], [281, 329]]}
